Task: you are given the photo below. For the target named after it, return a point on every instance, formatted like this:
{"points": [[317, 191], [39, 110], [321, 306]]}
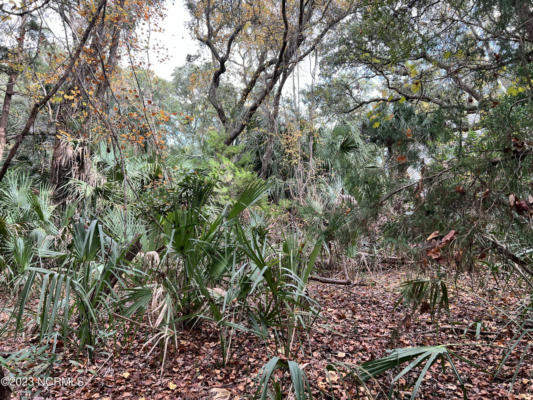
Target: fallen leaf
{"points": [[401, 158], [449, 236], [434, 253], [126, 375], [332, 376], [521, 206], [172, 385], [433, 235]]}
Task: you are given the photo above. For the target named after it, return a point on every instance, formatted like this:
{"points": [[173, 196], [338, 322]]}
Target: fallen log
{"points": [[457, 330], [330, 280]]}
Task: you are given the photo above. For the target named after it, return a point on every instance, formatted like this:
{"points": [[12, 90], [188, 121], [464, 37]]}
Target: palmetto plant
{"points": [[26, 222], [425, 295], [200, 253], [332, 215], [416, 356], [278, 285], [74, 290], [213, 267], [299, 383]]}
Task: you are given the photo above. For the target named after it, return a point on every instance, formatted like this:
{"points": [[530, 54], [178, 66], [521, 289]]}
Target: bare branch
{"points": [[41, 103]]}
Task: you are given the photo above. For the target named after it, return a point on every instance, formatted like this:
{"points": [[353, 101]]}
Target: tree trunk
{"points": [[273, 125], [267, 158], [10, 87], [40, 104], [331, 281], [69, 162]]}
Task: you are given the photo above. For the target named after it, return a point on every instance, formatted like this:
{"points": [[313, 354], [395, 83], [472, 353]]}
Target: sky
{"points": [[177, 43], [175, 38]]}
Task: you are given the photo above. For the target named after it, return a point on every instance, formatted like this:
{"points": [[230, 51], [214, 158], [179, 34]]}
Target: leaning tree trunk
{"points": [[10, 87], [75, 162], [267, 157], [60, 82]]}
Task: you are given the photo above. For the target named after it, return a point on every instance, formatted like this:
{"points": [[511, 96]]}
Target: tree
{"points": [[271, 38], [43, 101], [15, 68], [442, 88], [450, 55], [92, 81]]}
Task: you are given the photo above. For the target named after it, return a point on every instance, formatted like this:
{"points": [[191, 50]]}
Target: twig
{"points": [[40, 104], [388, 196]]}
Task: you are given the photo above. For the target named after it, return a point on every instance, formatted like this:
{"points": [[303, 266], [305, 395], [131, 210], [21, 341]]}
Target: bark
{"points": [[273, 119], [40, 104], [330, 280], [10, 87], [68, 162], [284, 60], [267, 158], [273, 127], [503, 250], [528, 13]]}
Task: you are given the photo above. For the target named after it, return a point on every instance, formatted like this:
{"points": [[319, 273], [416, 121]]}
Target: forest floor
{"points": [[360, 323]]}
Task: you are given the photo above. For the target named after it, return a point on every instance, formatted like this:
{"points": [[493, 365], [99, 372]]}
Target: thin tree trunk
{"points": [[10, 87], [66, 162], [40, 104], [273, 125], [267, 158]]}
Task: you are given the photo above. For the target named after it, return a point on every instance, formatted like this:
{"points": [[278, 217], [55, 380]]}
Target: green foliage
{"points": [[278, 282], [26, 222], [300, 385], [30, 362], [77, 289], [425, 295], [416, 356], [404, 133], [211, 260]]}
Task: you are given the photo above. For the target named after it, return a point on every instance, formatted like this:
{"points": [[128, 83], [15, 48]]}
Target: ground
{"points": [[360, 323]]}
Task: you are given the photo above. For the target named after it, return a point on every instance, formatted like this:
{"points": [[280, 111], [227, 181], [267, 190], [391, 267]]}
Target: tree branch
{"points": [[40, 104]]}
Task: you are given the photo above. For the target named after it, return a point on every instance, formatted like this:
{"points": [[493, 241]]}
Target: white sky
{"points": [[175, 38], [177, 43]]}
